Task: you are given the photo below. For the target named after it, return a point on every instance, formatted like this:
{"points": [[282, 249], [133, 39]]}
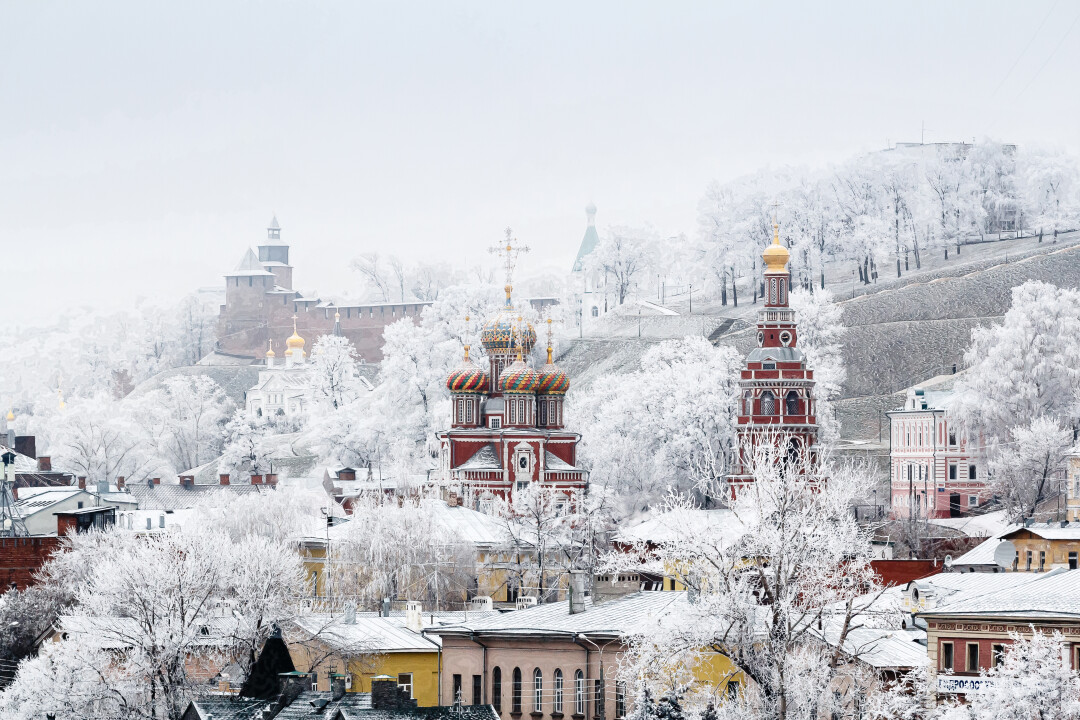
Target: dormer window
{"points": [[495, 423], [768, 366]]}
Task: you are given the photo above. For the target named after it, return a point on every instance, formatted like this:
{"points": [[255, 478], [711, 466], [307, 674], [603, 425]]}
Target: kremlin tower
{"points": [[507, 419], [776, 388]]}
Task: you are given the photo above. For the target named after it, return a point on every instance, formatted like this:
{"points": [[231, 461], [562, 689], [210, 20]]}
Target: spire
{"points": [[590, 214], [519, 336], [467, 346], [549, 341], [510, 253], [270, 352], [10, 414], [274, 231], [776, 255]]}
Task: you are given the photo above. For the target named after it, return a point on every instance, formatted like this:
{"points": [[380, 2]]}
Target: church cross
{"points": [[510, 253]]}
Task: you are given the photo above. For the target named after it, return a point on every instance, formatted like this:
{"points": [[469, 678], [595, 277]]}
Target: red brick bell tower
{"points": [[776, 401]]}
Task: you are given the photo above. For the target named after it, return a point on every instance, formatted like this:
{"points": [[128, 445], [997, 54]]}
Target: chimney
{"points": [[414, 616], [577, 592], [26, 445], [82, 482], [223, 478], [256, 479], [337, 687], [270, 479], [187, 480], [386, 695], [121, 483], [44, 464], [346, 474], [384, 611], [156, 481], [292, 684]]}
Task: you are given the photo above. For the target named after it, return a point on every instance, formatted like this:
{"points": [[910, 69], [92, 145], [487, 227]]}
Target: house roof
{"points": [[554, 462], [674, 524], [181, 497], [366, 634], [615, 618], [1054, 594], [46, 499], [981, 554], [486, 458], [226, 707], [879, 647], [1046, 531], [956, 585], [987, 525]]}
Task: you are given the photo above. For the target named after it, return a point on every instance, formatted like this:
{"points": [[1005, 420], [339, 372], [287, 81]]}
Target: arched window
{"points": [[791, 403], [579, 692], [538, 691], [556, 706], [496, 689], [748, 403], [768, 403], [515, 692], [595, 311]]}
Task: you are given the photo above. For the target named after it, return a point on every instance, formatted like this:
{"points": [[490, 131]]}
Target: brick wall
{"points": [[20, 558]]}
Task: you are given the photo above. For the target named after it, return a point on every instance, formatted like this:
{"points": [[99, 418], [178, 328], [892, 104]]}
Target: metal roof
{"points": [[181, 497], [779, 354], [618, 617], [366, 634], [486, 458], [249, 265], [674, 524], [1054, 594], [880, 648]]}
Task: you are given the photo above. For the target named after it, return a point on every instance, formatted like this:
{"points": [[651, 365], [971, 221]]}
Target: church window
{"points": [[972, 473], [468, 411], [496, 423], [543, 412], [768, 403], [768, 366], [785, 338], [595, 311], [792, 403], [748, 403]]}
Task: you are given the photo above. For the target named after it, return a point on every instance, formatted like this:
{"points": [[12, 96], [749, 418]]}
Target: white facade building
{"points": [[284, 387], [936, 470]]}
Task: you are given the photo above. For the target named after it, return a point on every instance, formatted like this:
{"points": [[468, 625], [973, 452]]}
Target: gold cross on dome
{"points": [[510, 251]]}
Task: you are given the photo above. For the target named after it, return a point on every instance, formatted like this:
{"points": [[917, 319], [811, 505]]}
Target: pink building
{"points": [[936, 469]]}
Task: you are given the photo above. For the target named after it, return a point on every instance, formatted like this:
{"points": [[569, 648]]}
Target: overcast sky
{"points": [[145, 145]]}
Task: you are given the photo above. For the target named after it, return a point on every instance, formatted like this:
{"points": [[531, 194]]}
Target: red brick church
{"points": [[777, 387], [507, 426]]}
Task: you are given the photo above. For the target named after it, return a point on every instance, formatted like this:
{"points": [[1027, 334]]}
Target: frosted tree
{"points": [[247, 446], [333, 371], [820, 332], [398, 551], [1024, 370], [789, 565], [672, 423], [185, 417], [1050, 184], [622, 255], [98, 439], [1030, 466], [376, 274]]}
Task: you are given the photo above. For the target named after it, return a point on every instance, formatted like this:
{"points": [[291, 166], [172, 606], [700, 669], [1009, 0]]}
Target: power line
{"points": [[1023, 52], [1050, 57]]}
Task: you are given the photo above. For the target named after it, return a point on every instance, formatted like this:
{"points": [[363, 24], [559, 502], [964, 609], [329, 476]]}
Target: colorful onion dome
{"points": [[553, 381], [467, 377], [518, 379], [500, 334], [776, 255]]}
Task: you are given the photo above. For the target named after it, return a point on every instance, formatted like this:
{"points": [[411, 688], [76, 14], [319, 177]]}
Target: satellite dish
{"points": [[1004, 554], [948, 562]]}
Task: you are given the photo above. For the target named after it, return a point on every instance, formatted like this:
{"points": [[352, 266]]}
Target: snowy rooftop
{"points": [[615, 618], [249, 266], [881, 648], [951, 587], [988, 525], [179, 497], [1055, 594], [367, 634], [486, 458], [675, 524]]}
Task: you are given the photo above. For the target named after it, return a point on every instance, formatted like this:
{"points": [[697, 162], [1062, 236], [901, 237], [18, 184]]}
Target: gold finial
{"points": [[775, 255], [10, 414], [520, 339], [549, 341], [294, 324], [466, 353], [270, 352], [337, 316], [510, 251]]}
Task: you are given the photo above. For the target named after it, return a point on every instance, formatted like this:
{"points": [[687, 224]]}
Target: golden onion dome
{"points": [[776, 255], [294, 342]]}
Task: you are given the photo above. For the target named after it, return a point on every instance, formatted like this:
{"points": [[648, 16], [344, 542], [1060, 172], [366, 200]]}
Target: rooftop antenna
{"points": [[11, 522]]}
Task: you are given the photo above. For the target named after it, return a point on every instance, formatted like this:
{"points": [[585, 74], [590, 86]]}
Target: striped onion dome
{"points": [[553, 381], [499, 337], [518, 379], [467, 377]]}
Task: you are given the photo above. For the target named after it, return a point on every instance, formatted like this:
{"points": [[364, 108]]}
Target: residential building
{"points": [[1072, 487], [1029, 547], [39, 506], [968, 634], [360, 647], [557, 659], [777, 385], [937, 470]]}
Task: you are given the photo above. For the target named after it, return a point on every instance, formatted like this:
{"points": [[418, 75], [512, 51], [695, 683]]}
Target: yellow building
{"points": [[362, 646]]}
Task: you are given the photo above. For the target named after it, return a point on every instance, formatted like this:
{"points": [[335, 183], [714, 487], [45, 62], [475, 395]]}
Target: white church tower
{"points": [[589, 283]]}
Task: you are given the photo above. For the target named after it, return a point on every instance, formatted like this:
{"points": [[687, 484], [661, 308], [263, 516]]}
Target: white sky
{"points": [[145, 145]]}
